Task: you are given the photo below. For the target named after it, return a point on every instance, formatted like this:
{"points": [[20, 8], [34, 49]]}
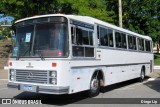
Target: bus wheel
{"points": [[142, 75], [94, 86]]}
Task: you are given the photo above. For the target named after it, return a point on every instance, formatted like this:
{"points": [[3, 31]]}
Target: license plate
{"points": [[28, 88]]}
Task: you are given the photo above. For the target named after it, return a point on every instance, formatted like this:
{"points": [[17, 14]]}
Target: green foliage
{"points": [[25, 8], [156, 59], [4, 32], [93, 8], [142, 16]]}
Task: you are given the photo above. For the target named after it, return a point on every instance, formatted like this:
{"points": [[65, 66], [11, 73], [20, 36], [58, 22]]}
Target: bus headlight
{"points": [[53, 74], [12, 72], [12, 78], [53, 81]]}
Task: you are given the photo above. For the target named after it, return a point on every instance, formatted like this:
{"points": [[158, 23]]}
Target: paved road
{"points": [[130, 89]]}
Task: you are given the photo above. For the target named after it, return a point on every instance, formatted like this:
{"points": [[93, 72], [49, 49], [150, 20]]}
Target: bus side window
{"points": [[130, 42], [78, 51], [89, 52], [134, 43], [90, 38], [110, 36], [85, 37], [79, 36], [148, 46], [140, 44], [118, 39], [124, 45], [104, 36]]}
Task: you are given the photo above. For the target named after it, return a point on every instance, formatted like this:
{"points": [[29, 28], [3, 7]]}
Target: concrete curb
{"points": [[154, 79], [156, 67]]}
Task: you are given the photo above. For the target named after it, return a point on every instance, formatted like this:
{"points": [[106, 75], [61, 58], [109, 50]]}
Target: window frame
{"points": [[121, 38], [139, 41], [83, 45], [108, 36], [133, 44], [146, 47]]}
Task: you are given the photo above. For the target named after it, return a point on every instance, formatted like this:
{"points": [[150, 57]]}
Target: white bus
{"points": [[65, 54]]}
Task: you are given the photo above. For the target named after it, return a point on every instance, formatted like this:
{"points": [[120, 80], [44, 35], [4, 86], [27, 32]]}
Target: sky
{"points": [[7, 18]]}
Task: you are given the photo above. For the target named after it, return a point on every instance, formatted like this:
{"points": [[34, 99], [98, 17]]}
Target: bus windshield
{"points": [[41, 40]]}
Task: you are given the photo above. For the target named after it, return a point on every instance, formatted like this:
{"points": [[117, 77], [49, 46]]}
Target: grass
{"points": [[157, 59]]}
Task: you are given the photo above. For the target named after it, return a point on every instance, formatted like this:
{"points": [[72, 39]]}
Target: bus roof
{"points": [[89, 20]]}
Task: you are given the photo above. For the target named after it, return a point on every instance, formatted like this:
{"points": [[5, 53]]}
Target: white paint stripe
{"points": [[154, 79]]}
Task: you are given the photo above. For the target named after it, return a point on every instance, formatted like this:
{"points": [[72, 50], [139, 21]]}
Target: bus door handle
{"points": [[122, 71]]}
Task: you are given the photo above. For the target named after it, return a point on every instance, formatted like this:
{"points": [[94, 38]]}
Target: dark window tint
{"points": [[132, 42], [148, 46], [124, 45], [78, 51], [90, 38], [89, 52], [110, 35], [103, 37], [24, 40], [78, 36], [83, 46], [140, 44], [73, 35], [85, 37], [51, 40], [118, 40], [98, 32], [106, 37]]}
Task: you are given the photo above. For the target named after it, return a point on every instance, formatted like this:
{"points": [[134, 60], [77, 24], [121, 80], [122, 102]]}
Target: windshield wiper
{"points": [[24, 53], [41, 56]]}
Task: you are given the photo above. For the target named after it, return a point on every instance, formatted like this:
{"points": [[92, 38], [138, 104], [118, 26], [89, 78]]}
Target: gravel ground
{"points": [[155, 74]]}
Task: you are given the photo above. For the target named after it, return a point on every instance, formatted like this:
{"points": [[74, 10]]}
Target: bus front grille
{"points": [[31, 76]]}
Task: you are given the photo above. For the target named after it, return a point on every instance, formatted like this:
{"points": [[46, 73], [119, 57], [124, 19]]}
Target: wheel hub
{"points": [[142, 76], [94, 84]]}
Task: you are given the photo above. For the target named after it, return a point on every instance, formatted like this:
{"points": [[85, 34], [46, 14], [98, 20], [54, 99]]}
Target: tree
{"points": [[25, 8], [93, 8], [142, 17]]}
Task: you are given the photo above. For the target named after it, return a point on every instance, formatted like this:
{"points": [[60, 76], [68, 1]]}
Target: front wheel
{"points": [[94, 86]]}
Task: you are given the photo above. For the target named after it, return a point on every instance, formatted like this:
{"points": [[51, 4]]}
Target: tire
{"points": [[142, 75], [94, 86]]}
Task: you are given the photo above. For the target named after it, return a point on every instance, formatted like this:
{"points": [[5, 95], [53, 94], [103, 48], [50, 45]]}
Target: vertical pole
{"points": [[120, 12]]}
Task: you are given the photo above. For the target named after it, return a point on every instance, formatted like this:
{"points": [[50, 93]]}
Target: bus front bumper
{"points": [[39, 88]]}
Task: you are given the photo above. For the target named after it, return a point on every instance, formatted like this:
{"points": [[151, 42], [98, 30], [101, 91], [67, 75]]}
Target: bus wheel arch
{"points": [[96, 82], [101, 77]]}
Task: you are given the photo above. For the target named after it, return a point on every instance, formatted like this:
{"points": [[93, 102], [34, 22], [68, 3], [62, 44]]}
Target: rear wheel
{"points": [[142, 75], [94, 86]]}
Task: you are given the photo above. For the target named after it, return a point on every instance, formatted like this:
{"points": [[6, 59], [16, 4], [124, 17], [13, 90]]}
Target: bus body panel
{"points": [[74, 73]]}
